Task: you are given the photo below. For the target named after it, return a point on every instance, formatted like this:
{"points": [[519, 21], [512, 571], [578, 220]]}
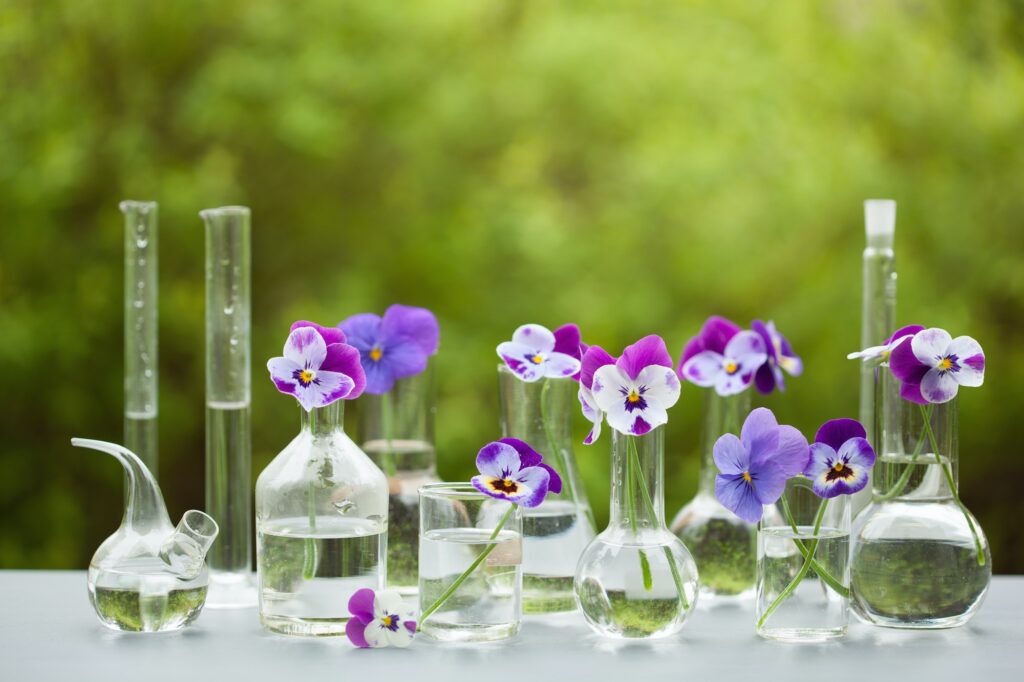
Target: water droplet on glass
{"points": [[344, 506], [229, 309], [233, 341], [141, 242], [138, 304]]}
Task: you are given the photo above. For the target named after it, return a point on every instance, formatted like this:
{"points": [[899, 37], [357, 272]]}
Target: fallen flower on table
{"points": [[379, 619]]}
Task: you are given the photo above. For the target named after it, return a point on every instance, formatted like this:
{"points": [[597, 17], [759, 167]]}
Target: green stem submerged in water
{"points": [[808, 560], [472, 567], [808, 555]]}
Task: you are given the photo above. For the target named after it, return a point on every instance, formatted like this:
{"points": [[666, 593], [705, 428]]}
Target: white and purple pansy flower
{"points": [[594, 358], [755, 467], [780, 357], [535, 352], [513, 471], [714, 334], [932, 365], [379, 619], [636, 391], [731, 371], [394, 346], [841, 458], [882, 353], [317, 372]]}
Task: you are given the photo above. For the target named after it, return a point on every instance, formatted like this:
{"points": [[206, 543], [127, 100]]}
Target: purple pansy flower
{"points": [[932, 365], [841, 458], [536, 352], [636, 391], [594, 358], [379, 619], [394, 346], [885, 350], [755, 467], [511, 470], [731, 370], [716, 332], [780, 357], [316, 372]]}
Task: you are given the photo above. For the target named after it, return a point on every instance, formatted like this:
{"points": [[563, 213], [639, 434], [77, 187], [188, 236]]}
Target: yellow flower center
{"points": [[730, 367], [388, 621], [306, 376], [838, 466], [945, 364], [885, 355], [376, 354], [746, 476], [504, 485], [537, 359], [633, 396]]}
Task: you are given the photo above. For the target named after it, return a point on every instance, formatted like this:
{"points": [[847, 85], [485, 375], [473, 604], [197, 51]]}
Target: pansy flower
{"points": [[714, 334], [841, 458], [731, 370], [882, 353], [594, 358], [315, 371], [535, 352], [394, 346], [513, 471], [932, 365], [636, 391], [780, 357], [755, 467], [379, 619]]}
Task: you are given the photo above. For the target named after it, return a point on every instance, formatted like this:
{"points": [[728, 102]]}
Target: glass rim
{"points": [[457, 490]]}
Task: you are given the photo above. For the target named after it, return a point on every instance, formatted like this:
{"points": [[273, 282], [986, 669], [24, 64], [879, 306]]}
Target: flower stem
{"points": [[645, 563], [309, 559], [634, 458], [948, 471], [808, 558], [897, 487], [556, 452], [837, 586], [472, 567], [387, 459]]}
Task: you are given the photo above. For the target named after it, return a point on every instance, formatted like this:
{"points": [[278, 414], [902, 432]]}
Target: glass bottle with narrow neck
{"points": [[878, 313], [140, 331], [556, 532], [321, 528], [396, 430], [228, 427], [723, 545], [636, 580], [920, 559]]}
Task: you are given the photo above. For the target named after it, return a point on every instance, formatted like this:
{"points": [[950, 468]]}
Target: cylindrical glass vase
{"points": [[723, 545], [803, 545], [920, 559], [140, 331], [463, 529], [321, 522], [636, 580], [228, 430], [556, 532], [397, 432]]}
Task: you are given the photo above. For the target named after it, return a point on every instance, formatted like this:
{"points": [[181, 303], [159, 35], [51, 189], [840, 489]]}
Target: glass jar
{"points": [[471, 552], [803, 545], [920, 558], [397, 432], [636, 580], [723, 545], [556, 532], [321, 528]]}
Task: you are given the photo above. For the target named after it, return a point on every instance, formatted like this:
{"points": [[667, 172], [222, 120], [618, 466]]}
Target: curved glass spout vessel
{"points": [[397, 432], [140, 330], [148, 576], [920, 559], [636, 580], [321, 528], [228, 431], [723, 545], [556, 532]]}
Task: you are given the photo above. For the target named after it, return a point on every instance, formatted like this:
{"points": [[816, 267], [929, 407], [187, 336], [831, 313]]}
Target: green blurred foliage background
{"points": [[633, 167]]}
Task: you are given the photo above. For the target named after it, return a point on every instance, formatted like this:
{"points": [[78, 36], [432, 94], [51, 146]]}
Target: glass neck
{"points": [[323, 421], [396, 428], [923, 438], [722, 414], [638, 476], [539, 413], [878, 319]]}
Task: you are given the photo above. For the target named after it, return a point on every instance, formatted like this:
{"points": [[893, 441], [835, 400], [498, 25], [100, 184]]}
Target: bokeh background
{"points": [[633, 167]]}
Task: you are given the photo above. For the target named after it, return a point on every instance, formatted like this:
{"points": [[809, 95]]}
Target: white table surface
{"points": [[48, 631]]}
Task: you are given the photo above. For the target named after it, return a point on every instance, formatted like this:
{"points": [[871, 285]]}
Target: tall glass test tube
{"points": [[228, 437], [878, 312], [140, 332]]}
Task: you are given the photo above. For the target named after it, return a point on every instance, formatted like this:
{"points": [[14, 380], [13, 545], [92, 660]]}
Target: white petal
{"points": [[731, 384], [964, 347], [661, 384], [400, 638], [607, 389], [743, 343], [519, 359], [306, 348], [375, 634], [703, 368], [930, 345], [387, 602], [869, 353], [939, 387], [535, 337], [560, 365]]}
